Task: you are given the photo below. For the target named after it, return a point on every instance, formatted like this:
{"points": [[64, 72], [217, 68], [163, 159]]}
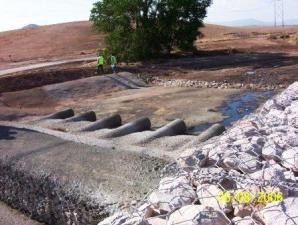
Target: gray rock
{"points": [[116, 219], [243, 210], [281, 213], [271, 151], [203, 175], [290, 159], [146, 210], [197, 215], [167, 202], [136, 221], [271, 173], [244, 221], [172, 194], [191, 158], [242, 161], [208, 194], [157, 221]]}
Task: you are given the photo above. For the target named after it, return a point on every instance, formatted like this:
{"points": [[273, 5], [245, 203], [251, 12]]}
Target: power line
{"points": [[279, 14]]}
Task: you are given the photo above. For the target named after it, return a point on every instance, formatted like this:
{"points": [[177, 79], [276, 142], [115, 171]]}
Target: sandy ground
{"points": [[9, 216]]}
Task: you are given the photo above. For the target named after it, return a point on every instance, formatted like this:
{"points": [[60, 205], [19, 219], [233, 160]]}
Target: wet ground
{"points": [[237, 107]]}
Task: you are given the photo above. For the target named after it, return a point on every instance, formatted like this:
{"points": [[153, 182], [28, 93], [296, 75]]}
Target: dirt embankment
{"points": [[59, 41]]}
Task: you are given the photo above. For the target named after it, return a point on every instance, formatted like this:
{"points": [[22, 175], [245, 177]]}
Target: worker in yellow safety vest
{"points": [[100, 64], [114, 63]]}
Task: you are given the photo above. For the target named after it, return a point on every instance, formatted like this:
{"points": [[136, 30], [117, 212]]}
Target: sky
{"points": [[15, 14]]}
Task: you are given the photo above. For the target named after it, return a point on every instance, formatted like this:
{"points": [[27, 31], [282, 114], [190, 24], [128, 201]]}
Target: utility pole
{"points": [[275, 19], [283, 13], [279, 14]]}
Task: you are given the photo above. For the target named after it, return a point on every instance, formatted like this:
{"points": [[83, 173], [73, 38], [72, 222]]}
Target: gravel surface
{"points": [[10, 216]]}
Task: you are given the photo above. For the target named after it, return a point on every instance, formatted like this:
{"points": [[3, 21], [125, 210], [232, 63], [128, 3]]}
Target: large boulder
{"points": [[242, 161], [243, 210], [276, 118], [290, 158], [191, 158], [244, 221], [124, 219], [251, 145], [178, 186], [271, 151], [166, 203], [284, 212], [272, 173], [197, 215], [205, 175], [172, 194], [208, 195], [116, 219], [157, 221]]}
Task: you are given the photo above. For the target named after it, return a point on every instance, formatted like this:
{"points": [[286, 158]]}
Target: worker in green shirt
{"points": [[114, 63], [100, 64]]}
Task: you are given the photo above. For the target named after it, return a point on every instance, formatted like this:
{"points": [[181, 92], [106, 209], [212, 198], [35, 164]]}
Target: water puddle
{"points": [[237, 107]]}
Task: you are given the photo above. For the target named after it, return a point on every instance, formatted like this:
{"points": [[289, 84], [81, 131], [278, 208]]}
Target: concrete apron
{"points": [[62, 181], [60, 177]]}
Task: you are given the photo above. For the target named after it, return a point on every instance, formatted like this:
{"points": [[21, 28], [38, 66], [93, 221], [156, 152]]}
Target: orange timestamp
{"points": [[245, 197]]}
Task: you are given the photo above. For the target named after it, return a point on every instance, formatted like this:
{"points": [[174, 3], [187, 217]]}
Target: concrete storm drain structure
{"points": [[66, 168], [79, 169]]}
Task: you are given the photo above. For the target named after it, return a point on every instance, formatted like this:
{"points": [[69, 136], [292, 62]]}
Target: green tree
{"points": [[141, 29]]}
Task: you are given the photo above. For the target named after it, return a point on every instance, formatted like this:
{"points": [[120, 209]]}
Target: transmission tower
{"points": [[279, 14]]}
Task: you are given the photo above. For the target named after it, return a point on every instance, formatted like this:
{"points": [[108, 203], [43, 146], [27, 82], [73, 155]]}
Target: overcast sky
{"points": [[18, 13]]}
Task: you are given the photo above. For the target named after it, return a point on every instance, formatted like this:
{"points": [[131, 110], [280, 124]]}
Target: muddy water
{"points": [[237, 107]]}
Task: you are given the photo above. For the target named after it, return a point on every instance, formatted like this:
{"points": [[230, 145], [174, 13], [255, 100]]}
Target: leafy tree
{"points": [[140, 29]]}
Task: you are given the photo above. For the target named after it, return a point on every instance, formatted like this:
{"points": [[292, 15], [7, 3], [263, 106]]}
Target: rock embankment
{"points": [[213, 84], [246, 176]]}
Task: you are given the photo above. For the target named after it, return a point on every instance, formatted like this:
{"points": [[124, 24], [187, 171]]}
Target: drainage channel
{"points": [[237, 107]]}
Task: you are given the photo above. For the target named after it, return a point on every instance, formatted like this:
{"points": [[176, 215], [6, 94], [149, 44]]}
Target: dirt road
{"points": [[43, 65]]}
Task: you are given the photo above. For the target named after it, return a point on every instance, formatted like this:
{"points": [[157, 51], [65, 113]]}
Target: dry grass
{"points": [[49, 42]]}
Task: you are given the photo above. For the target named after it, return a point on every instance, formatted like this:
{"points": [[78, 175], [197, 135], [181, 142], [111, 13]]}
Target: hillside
{"points": [[212, 31], [72, 40], [52, 42]]}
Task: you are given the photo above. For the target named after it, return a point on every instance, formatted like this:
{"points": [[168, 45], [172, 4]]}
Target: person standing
{"points": [[100, 64], [114, 63]]}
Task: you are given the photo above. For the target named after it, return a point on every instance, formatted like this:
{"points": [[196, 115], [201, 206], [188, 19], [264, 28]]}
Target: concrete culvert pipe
{"points": [[62, 114], [176, 127], [109, 122], [87, 116], [214, 130], [139, 125]]}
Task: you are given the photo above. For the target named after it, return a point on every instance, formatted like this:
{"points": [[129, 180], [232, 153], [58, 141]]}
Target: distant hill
{"points": [[244, 22], [254, 22], [31, 26], [292, 22]]}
